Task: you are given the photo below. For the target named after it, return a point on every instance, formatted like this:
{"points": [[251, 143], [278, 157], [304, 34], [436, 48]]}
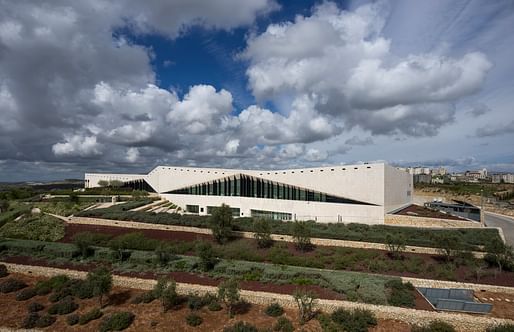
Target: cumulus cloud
{"points": [[496, 130], [132, 155], [76, 145], [348, 70], [478, 109]]}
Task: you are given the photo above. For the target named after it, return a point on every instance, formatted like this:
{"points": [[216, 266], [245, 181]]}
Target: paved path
{"points": [[504, 222]]}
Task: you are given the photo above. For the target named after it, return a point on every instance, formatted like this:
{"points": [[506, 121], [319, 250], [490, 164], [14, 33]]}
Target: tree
{"points": [[395, 244], [262, 233], [116, 183], [164, 253], [84, 242], [302, 235], [166, 291], [103, 183], [305, 301], [500, 253], [119, 246], [4, 205], [74, 198], [206, 254], [100, 280], [221, 223], [228, 293], [448, 244]]}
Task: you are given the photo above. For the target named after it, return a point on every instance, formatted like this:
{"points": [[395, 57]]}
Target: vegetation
{"points": [[38, 227], [401, 294], [302, 235], [305, 301], [90, 315], [63, 307], [283, 325], [193, 319], [72, 319], [501, 328], [206, 255], [469, 239], [12, 285], [358, 320], [101, 282], [45, 321], [241, 327], [434, 326], [26, 294], [262, 231], [396, 245], [228, 293], [166, 291], [35, 307], [274, 310], [3, 271], [117, 321], [501, 254], [448, 244], [221, 223]]}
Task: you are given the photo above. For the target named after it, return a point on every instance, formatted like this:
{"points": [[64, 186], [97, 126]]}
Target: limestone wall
{"points": [[462, 322]]}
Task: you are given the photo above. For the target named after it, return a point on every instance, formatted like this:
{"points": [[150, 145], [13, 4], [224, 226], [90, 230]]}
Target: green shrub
{"points": [[401, 294], [55, 283], [302, 235], [26, 294], [117, 321], [205, 253], [3, 271], [90, 315], [501, 328], [146, 297], [214, 306], [60, 295], [195, 302], [228, 292], [193, 319], [274, 310], [12, 285], [45, 321], [35, 307], [283, 325], [262, 233], [358, 320], [72, 319], [29, 322], [305, 301], [221, 223], [434, 326], [241, 327], [63, 307]]}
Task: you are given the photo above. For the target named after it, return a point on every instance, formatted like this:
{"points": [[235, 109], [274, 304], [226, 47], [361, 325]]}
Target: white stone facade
{"points": [[365, 192]]}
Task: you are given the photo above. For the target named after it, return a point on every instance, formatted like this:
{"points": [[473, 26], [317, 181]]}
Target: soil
{"points": [[421, 211], [462, 274], [503, 304], [150, 316]]}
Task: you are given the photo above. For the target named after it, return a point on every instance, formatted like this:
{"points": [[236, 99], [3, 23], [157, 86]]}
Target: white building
{"points": [[350, 193]]}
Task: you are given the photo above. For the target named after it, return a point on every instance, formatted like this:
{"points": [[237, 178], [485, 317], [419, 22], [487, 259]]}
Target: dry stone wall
{"points": [[462, 322]]}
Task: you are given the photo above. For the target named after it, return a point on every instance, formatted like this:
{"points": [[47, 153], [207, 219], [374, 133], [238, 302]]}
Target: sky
{"points": [[124, 86]]}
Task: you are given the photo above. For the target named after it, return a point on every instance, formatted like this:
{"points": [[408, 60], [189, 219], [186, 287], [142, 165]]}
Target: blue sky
{"points": [[102, 86]]}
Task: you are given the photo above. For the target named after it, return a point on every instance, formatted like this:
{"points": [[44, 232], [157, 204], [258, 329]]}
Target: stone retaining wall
{"points": [[250, 235], [462, 322], [413, 221]]}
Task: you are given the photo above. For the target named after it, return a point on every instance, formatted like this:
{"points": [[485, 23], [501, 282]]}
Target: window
{"points": [[271, 215], [192, 208]]}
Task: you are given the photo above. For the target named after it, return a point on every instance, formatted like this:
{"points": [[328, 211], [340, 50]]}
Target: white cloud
{"points": [[132, 155], [76, 145]]}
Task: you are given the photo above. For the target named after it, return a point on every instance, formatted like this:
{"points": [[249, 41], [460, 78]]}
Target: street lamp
{"points": [[482, 221]]}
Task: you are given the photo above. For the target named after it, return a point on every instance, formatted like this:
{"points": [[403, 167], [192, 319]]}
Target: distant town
{"points": [[441, 175]]}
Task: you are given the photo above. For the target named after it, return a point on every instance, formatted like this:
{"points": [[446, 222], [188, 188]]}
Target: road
{"points": [[504, 222]]}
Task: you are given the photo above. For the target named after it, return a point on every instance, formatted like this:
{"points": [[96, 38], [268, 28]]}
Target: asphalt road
{"points": [[504, 222]]}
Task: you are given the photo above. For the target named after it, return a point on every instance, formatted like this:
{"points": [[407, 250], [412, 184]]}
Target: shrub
{"points": [[302, 235], [434, 326], [146, 297], [262, 233], [60, 295], [117, 321], [164, 253], [166, 291], [3, 271], [83, 289], [35, 307], [45, 321], [358, 320], [84, 242], [193, 319], [29, 322], [221, 223], [305, 300], [501, 328], [72, 319], [396, 244], [195, 302], [500, 253], [228, 292], [26, 294], [63, 307], [283, 325], [55, 283], [274, 310], [401, 294], [90, 315], [241, 327], [12, 285], [101, 282], [214, 306], [205, 252]]}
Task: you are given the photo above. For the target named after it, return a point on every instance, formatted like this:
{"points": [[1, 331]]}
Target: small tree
{"points": [[206, 254], [302, 235], [4, 205], [74, 198], [228, 293], [164, 253], [221, 223], [119, 247], [116, 183], [103, 183], [500, 252], [448, 244], [395, 245], [84, 242], [262, 233], [305, 300], [100, 280], [166, 291]]}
